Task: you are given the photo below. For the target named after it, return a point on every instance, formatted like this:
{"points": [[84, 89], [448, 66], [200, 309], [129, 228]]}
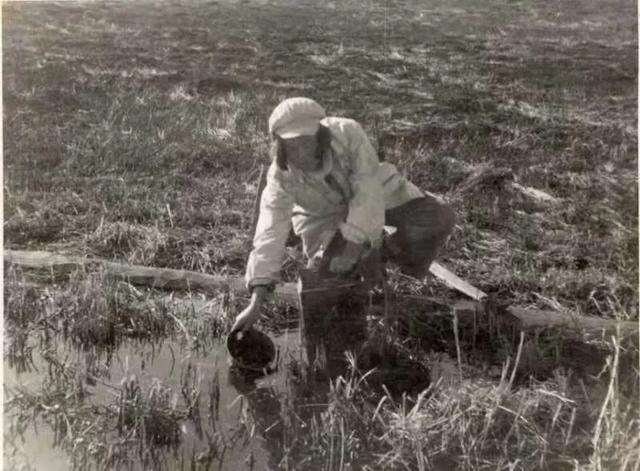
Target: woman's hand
{"points": [[251, 313], [346, 262]]}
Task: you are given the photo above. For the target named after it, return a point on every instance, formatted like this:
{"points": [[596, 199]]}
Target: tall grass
{"points": [[91, 311], [470, 422], [616, 435]]}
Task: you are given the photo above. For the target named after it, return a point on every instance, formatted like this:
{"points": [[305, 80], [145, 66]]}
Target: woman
{"points": [[325, 179]]}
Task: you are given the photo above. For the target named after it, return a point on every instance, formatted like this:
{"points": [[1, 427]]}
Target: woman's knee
{"points": [[439, 218]]}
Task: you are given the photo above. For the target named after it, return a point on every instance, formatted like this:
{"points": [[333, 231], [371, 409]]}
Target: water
{"points": [[241, 422], [247, 406]]}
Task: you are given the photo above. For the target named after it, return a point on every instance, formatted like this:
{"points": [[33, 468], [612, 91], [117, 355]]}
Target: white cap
{"points": [[296, 117]]}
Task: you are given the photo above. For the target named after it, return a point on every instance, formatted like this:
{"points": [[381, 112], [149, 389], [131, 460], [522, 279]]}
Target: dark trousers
{"points": [[422, 227]]}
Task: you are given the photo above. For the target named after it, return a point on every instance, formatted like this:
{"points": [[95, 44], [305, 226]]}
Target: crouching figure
{"points": [[326, 181]]}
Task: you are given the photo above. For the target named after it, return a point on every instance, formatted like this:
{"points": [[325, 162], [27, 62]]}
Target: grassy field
{"points": [[135, 131]]}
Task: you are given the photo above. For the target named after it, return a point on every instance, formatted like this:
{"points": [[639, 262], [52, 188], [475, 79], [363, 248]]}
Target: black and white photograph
{"points": [[320, 235]]}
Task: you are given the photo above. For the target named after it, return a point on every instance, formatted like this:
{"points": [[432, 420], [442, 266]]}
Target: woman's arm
{"points": [[265, 260], [274, 224]]}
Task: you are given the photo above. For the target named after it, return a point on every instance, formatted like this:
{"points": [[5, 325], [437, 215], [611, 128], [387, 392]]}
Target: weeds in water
{"points": [[468, 423], [141, 426], [23, 308], [78, 427], [95, 311], [150, 418]]}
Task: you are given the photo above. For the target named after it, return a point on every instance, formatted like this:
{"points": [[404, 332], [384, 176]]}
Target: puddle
{"points": [[237, 421], [246, 407]]}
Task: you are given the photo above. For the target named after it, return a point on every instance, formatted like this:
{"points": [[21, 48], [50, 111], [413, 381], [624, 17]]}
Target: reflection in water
{"points": [[228, 419], [261, 412]]}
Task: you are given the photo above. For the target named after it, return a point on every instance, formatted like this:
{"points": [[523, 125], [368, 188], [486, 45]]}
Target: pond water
{"points": [[246, 406], [240, 421]]}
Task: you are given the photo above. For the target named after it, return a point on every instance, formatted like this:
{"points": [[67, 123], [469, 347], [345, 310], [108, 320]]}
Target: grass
{"points": [[90, 312], [437, 109], [135, 132], [466, 422]]}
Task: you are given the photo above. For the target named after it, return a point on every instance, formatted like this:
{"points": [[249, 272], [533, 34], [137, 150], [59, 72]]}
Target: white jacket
{"points": [[354, 200]]}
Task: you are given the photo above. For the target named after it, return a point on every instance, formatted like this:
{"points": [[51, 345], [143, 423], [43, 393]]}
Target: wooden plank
{"points": [[164, 278], [535, 194], [39, 259], [183, 280], [530, 319], [456, 282]]}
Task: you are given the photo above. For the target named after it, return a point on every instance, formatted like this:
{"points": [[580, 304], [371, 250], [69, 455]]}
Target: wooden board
{"points": [[456, 282], [184, 280]]}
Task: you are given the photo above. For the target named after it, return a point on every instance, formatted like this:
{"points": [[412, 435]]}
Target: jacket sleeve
{"points": [[274, 223], [365, 220]]}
